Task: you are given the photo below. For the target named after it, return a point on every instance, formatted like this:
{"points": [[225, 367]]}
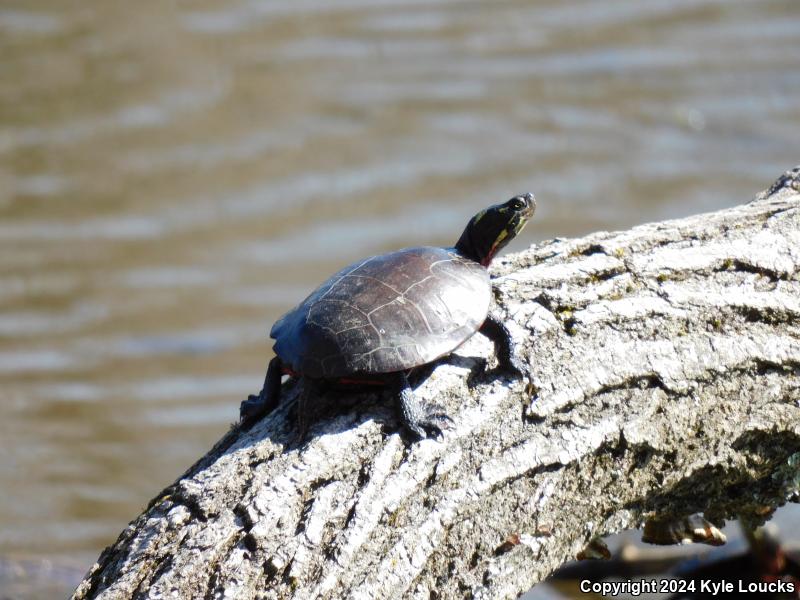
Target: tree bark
{"points": [[663, 379]]}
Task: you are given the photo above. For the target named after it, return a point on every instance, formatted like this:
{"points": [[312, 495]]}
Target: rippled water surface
{"points": [[175, 175]]}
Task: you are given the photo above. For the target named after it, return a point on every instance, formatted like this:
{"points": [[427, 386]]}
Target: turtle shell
{"points": [[387, 313]]}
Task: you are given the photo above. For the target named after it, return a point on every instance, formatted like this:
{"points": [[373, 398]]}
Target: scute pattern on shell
{"points": [[387, 313]]}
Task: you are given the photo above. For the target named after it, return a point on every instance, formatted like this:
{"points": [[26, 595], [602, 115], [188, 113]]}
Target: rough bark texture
{"points": [[664, 379]]}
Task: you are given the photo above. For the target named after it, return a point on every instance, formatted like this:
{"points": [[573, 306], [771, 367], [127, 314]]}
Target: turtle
{"points": [[379, 318]]}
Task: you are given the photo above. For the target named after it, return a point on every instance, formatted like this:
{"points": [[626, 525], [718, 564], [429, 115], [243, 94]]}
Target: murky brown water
{"points": [[175, 175]]}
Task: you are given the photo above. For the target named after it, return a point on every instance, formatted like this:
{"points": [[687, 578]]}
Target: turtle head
{"points": [[490, 230]]}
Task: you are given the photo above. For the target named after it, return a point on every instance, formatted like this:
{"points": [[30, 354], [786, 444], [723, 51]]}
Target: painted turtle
{"points": [[378, 318]]}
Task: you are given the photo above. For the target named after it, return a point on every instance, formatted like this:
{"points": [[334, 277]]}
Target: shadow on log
{"points": [[664, 380]]}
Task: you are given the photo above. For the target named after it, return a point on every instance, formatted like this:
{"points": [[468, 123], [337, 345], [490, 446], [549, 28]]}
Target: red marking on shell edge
{"points": [[348, 381], [355, 381]]}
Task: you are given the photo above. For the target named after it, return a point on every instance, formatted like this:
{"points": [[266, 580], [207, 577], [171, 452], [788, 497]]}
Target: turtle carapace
{"points": [[382, 316]]}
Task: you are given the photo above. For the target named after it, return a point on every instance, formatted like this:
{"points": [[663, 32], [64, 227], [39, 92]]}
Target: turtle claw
{"points": [[251, 408], [433, 425], [420, 420], [427, 422]]}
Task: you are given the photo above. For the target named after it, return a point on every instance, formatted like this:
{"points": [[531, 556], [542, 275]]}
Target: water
{"points": [[173, 176]]}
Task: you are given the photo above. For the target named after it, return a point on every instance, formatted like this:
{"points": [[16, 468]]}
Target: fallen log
{"points": [[663, 379]]}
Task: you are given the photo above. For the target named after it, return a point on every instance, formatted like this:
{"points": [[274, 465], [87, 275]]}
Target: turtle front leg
{"points": [[495, 329], [422, 421], [266, 401]]}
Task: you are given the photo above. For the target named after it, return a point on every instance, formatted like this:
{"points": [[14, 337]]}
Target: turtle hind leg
{"points": [[420, 420], [494, 328], [309, 405], [257, 406]]}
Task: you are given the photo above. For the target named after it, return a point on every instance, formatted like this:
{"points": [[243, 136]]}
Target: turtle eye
{"points": [[517, 203]]}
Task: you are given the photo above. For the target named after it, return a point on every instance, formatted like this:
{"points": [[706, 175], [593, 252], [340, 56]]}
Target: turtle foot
{"points": [[432, 424], [252, 408], [420, 419]]}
